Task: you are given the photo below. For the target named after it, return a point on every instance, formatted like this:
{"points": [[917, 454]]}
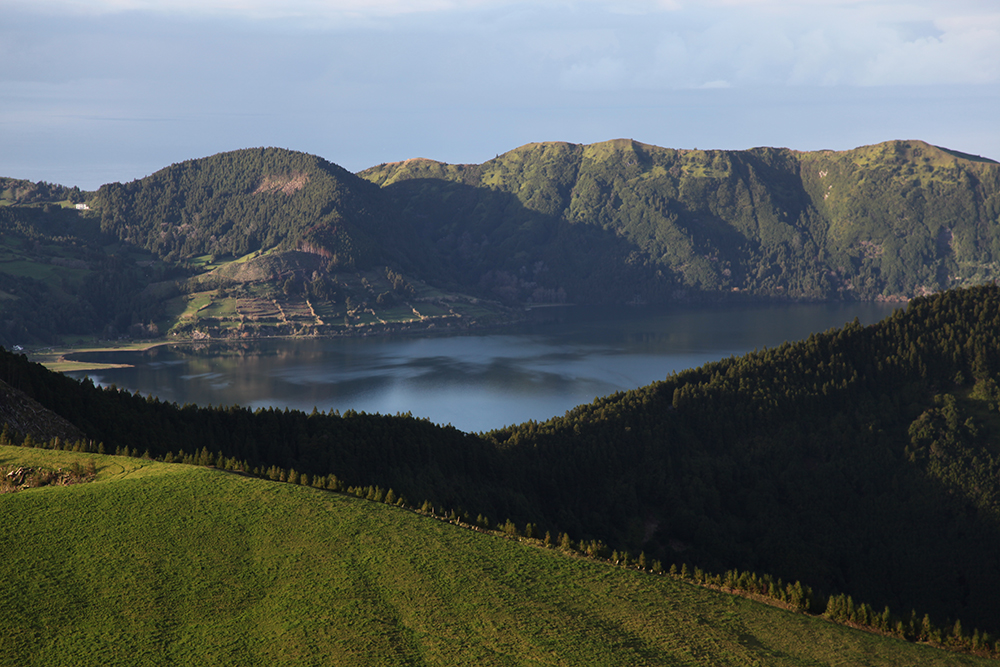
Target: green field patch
{"points": [[426, 292], [64, 366], [25, 268], [378, 281], [200, 262], [258, 291], [431, 309], [184, 309], [364, 317], [327, 310], [196, 303], [398, 313], [220, 308], [471, 309], [54, 358]]}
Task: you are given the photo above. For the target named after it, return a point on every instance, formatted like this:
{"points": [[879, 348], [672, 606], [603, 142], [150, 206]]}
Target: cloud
{"points": [[965, 51], [818, 42], [597, 45], [604, 74], [254, 9]]}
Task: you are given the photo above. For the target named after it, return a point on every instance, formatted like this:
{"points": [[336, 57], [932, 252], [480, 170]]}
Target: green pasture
{"points": [[471, 310], [430, 309], [328, 309], [25, 268], [222, 308], [157, 564], [398, 313], [188, 306], [364, 317], [54, 359]]}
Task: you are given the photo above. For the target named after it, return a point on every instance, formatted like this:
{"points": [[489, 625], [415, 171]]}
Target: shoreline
{"points": [[59, 358]]}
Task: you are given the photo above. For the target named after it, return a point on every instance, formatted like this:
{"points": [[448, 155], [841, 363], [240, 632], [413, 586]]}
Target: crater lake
{"points": [[555, 360]]}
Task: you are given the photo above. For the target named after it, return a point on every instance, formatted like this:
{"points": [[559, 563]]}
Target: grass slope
{"points": [[167, 564]]}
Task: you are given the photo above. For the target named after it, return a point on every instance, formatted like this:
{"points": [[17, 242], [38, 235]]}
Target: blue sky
{"points": [[93, 91]]}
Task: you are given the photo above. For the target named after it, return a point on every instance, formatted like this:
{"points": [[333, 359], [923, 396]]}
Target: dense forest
{"points": [[60, 275], [861, 461], [238, 202]]}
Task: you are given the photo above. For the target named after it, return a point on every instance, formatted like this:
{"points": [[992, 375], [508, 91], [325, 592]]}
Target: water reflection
{"points": [[557, 360]]}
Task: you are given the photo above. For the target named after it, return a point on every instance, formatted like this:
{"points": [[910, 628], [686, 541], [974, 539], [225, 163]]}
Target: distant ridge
{"points": [[618, 221], [888, 221]]}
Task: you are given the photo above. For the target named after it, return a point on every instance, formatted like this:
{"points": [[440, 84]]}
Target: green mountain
{"points": [[267, 241], [625, 221], [154, 564], [861, 461], [250, 200], [251, 243]]}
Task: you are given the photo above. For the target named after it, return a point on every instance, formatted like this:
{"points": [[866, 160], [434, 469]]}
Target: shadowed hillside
{"points": [[892, 220]]}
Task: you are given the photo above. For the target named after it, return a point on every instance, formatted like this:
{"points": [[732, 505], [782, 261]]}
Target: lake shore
{"points": [[59, 358]]}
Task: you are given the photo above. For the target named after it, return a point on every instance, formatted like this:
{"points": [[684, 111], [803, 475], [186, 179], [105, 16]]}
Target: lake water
{"points": [[560, 358]]}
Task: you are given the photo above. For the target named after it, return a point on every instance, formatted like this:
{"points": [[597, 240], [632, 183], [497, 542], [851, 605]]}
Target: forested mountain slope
{"points": [[252, 243], [59, 274], [250, 200], [864, 460], [621, 221]]}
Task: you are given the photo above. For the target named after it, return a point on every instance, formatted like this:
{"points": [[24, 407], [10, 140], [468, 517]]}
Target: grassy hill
{"points": [[155, 564]]}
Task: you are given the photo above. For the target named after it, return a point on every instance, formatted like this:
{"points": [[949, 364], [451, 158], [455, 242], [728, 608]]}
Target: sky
{"points": [[95, 91]]}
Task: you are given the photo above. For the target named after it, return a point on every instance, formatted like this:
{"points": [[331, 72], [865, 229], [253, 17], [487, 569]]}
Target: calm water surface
{"points": [[559, 359]]}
